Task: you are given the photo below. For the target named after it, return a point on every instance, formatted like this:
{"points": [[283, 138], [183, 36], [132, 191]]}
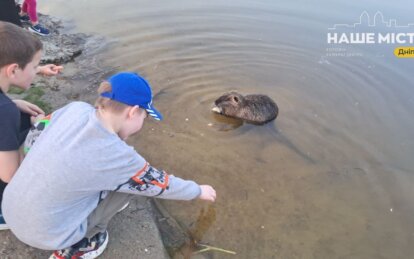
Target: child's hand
{"points": [[34, 119], [28, 108], [207, 193], [49, 69]]}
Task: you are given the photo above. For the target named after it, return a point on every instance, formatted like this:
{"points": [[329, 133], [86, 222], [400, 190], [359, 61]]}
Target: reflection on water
{"points": [[223, 123], [330, 178], [203, 223]]}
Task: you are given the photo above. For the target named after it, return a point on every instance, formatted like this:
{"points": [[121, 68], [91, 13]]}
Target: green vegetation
{"points": [[33, 95], [15, 90]]}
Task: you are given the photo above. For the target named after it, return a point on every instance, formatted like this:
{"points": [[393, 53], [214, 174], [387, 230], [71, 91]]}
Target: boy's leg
{"points": [[24, 129], [24, 8], [32, 10], [35, 26], [96, 238], [99, 218]]}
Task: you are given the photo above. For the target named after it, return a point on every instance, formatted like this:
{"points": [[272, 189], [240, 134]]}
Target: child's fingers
{"points": [[36, 110], [29, 110], [32, 120], [213, 195], [207, 193], [57, 69], [37, 118]]}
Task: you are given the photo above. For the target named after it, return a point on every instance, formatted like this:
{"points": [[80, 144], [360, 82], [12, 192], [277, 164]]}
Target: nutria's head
{"points": [[229, 104]]}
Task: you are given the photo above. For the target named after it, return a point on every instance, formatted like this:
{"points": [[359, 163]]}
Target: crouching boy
{"points": [[80, 172]]}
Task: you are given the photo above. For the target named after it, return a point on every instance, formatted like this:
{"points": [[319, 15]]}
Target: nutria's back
{"points": [[254, 108]]}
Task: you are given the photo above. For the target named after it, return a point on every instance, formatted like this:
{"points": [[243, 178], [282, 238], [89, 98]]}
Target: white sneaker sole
{"points": [[38, 33], [95, 254]]}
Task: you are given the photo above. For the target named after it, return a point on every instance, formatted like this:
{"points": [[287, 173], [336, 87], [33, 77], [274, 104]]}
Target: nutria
{"points": [[254, 108]]}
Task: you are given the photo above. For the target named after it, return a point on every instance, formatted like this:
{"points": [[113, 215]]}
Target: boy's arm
{"points": [[9, 161], [152, 182], [49, 69], [29, 108]]}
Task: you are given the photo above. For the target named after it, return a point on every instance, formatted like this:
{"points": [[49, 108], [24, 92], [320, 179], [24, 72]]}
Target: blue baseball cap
{"points": [[132, 89]]}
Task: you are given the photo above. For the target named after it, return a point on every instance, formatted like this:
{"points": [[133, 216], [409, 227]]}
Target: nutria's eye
{"points": [[236, 99]]}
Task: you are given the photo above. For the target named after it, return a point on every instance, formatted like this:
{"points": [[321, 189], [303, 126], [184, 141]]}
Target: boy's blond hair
{"points": [[106, 103]]}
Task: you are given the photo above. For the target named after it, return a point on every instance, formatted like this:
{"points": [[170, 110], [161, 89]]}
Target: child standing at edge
{"points": [[80, 172], [29, 14], [20, 54]]}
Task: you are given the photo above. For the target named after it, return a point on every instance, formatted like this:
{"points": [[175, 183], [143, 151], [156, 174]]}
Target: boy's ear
{"points": [[132, 111], [11, 69]]}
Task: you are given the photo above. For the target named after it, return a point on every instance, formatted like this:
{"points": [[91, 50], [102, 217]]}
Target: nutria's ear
{"points": [[236, 99]]}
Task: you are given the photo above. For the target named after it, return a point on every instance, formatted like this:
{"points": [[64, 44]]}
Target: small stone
{"points": [[186, 119], [210, 124], [262, 227], [391, 209]]}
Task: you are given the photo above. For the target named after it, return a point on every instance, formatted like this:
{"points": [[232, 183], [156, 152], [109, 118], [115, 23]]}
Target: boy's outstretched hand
{"points": [[49, 69], [207, 193]]}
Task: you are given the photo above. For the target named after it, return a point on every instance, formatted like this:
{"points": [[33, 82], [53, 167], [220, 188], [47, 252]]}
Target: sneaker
{"points": [[39, 30], [85, 249], [3, 225], [25, 18]]}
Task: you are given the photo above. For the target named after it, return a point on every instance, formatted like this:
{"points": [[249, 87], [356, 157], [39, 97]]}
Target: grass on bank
{"points": [[33, 95]]}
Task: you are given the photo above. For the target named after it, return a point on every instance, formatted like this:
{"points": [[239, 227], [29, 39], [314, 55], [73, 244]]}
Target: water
{"points": [[331, 178]]}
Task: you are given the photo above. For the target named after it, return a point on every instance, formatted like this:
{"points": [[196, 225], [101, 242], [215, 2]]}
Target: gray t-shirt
{"points": [[72, 164]]}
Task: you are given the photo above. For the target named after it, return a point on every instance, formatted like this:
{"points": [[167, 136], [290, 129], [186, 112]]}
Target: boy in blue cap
{"points": [[90, 172]]}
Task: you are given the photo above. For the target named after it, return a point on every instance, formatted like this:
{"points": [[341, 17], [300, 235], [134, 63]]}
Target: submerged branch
{"points": [[213, 248]]}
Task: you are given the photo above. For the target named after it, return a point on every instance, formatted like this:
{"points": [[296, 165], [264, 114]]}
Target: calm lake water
{"points": [[332, 177]]}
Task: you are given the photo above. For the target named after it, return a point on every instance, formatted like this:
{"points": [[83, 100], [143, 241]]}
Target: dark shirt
{"points": [[9, 12], [14, 127]]}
